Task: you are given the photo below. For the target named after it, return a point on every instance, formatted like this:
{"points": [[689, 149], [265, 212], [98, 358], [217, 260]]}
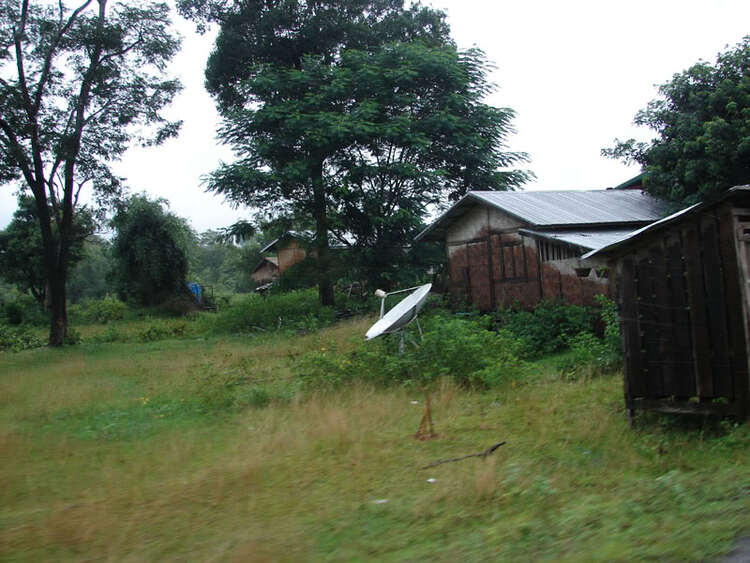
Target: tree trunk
{"points": [[58, 330], [325, 287]]}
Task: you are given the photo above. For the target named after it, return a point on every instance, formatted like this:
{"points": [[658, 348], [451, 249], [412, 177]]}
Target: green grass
{"points": [[134, 451]]}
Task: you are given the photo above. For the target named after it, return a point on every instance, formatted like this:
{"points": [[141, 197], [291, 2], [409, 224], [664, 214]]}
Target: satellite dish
{"points": [[402, 313]]}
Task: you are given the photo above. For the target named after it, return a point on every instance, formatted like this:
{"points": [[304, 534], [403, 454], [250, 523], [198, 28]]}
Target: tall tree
{"points": [[79, 84], [358, 113], [702, 126], [151, 249], [22, 251]]}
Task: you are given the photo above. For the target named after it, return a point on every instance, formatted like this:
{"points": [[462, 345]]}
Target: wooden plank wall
{"points": [[682, 324]]}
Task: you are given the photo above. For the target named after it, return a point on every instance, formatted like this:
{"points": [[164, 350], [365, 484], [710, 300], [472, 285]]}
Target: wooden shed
{"points": [[683, 289], [266, 270]]}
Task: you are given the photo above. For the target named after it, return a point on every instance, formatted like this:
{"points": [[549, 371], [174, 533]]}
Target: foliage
{"points": [[292, 310], [79, 84], [101, 311], [219, 263], [22, 250], [591, 356], [170, 456], [356, 114], [702, 126], [459, 349], [91, 277], [22, 309], [16, 339], [150, 248], [547, 328], [159, 330]]}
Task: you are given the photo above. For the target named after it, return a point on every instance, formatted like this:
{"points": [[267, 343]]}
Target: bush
{"points": [[23, 309], [457, 348], [160, 330], [591, 356], [17, 339], [294, 310], [102, 311], [548, 327]]}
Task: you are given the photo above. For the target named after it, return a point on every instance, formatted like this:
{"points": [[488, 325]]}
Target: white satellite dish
{"points": [[401, 314]]}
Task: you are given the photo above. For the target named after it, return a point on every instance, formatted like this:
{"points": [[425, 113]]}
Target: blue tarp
{"points": [[195, 289]]}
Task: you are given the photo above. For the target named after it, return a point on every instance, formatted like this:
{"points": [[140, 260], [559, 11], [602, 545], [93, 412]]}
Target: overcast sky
{"points": [[575, 73]]}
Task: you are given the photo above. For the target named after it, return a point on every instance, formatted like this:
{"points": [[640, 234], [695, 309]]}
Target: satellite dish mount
{"points": [[402, 314]]}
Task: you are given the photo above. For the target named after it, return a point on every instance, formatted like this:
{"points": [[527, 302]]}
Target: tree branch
{"points": [[483, 454]]}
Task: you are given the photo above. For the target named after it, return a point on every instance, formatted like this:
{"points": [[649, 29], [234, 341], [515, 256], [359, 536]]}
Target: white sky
{"points": [[575, 72]]}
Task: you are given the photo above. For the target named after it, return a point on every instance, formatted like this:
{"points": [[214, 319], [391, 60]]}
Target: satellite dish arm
{"points": [[383, 295]]}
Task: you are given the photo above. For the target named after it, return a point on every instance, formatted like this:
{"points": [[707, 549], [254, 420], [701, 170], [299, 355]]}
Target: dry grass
{"points": [[298, 480]]}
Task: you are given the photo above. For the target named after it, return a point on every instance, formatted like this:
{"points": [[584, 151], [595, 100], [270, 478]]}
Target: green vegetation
{"points": [[150, 248], [228, 446], [701, 127], [357, 116], [548, 327], [81, 83]]}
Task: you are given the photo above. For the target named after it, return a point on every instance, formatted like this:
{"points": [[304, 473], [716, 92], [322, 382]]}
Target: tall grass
{"points": [[110, 453]]}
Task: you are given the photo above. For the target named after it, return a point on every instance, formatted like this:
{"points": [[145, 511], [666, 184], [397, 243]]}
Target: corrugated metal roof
{"points": [[567, 208], [586, 239], [308, 237], [629, 237], [595, 207]]}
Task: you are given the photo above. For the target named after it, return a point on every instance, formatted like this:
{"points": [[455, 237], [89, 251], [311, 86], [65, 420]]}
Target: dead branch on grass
{"points": [[483, 455]]}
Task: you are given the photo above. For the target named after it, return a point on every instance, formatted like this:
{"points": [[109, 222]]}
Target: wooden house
{"points": [[266, 270], [521, 247], [289, 249], [683, 289]]}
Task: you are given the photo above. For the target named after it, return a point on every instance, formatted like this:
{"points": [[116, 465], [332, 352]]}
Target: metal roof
{"points": [[560, 209], [730, 193], [585, 239], [308, 237], [594, 207]]}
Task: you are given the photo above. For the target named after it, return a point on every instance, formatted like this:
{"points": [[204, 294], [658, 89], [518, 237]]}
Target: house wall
{"points": [[289, 254], [266, 273], [491, 265]]}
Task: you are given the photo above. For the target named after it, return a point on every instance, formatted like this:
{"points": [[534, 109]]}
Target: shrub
{"points": [[23, 309], [547, 328], [112, 334], [159, 330], [103, 310], [591, 356], [293, 310], [16, 339], [451, 347]]}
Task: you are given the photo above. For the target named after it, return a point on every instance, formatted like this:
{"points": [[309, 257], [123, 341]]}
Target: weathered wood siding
{"points": [[492, 265], [683, 321], [290, 253]]}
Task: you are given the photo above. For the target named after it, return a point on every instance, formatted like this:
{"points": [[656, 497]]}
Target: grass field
{"points": [[132, 451]]}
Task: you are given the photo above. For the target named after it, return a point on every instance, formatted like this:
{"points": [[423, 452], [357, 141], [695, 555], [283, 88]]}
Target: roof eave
{"points": [[662, 223]]}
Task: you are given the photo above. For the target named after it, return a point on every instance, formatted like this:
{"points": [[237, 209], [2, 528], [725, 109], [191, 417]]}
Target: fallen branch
{"points": [[483, 454]]}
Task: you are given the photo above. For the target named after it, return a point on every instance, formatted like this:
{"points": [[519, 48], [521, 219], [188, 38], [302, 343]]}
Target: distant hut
{"points": [[290, 248], [684, 294], [266, 270], [521, 247]]}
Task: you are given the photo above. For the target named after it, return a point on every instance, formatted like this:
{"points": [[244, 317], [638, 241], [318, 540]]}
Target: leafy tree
{"points": [[151, 250], [78, 85], [357, 114], [90, 278], [22, 250], [702, 125]]}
